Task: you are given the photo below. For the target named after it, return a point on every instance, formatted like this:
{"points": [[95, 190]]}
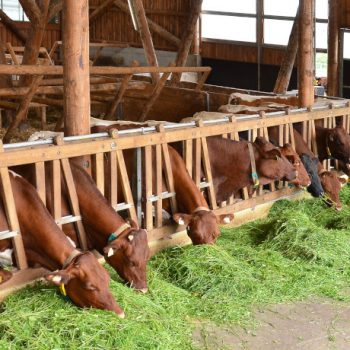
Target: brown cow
{"points": [[302, 179], [330, 180], [333, 143], [125, 246], [85, 281], [202, 223], [232, 170]]}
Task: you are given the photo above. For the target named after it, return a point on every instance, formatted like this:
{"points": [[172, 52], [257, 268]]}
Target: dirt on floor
{"points": [[311, 325]]}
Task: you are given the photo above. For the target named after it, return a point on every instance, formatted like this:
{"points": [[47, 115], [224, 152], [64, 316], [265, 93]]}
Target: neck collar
{"points": [[254, 173], [200, 209], [72, 255], [113, 236]]}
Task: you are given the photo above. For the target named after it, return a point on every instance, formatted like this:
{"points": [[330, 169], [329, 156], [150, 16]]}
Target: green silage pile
{"points": [[301, 250]]}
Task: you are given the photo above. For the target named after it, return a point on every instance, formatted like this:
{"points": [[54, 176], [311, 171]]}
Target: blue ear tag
{"points": [[112, 237], [255, 180]]}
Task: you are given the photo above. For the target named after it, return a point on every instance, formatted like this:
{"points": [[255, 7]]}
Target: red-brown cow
{"points": [[85, 281], [202, 223], [232, 170], [330, 180], [124, 245], [333, 143]]}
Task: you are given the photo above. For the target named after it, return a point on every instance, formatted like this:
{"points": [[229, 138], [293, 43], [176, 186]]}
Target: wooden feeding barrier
{"points": [[147, 139]]}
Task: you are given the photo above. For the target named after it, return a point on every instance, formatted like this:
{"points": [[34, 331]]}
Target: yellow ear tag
{"points": [[328, 152], [0, 279], [62, 290]]}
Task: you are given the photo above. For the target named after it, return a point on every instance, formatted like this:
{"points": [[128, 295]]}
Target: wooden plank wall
{"points": [[115, 25], [52, 34]]}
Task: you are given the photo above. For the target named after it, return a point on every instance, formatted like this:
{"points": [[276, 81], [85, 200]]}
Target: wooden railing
{"points": [[145, 141]]}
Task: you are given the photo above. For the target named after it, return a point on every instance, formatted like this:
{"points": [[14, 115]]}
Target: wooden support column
{"points": [[76, 73], [146, 36], [187, 38], [76, 67], [305, 54], [286, 68], [333, 48]]}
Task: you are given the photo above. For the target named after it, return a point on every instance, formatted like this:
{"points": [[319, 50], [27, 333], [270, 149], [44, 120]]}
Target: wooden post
{"points": [[333, 49], [146, 37], [187, 38], [305, 54], [286, 69], [76, 81]]}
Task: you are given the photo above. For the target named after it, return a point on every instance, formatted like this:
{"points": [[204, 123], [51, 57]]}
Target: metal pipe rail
{"points": [[152, 129]]}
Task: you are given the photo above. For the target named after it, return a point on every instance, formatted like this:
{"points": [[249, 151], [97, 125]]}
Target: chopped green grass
{"points": [[301, 250]]}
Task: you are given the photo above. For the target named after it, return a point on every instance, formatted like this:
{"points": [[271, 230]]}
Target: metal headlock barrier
{"points": [[153, 163]]}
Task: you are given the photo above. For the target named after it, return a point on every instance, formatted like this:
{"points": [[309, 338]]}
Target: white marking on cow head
{"points": [[130, 238], [227, 220], [56, 279], [110, 252], [181, 222]]}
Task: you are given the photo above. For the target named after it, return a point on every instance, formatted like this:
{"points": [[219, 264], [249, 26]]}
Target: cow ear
{"points": [[182, 219], [110, 249], [59, 277], [225, 218], [273, 154], [343, 179]]}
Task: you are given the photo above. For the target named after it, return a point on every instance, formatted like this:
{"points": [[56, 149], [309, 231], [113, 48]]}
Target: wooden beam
{"points": [[146, 36], [156, 28], [155, 94], [100, 9], [187, 38], [58, 70], [305, 54], [121, 91], [286, 69], [32, 10], [11, 25], [333, 48], [56, 6], [76, 68], [22, 109]]}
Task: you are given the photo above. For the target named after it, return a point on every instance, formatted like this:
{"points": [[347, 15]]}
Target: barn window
{"points": [[346, 47], [229, 20], [13, 9]]}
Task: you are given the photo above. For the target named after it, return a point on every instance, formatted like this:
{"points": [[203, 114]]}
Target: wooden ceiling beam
{"points": [[187, 38], [32, 10], [153, 26], [11, 25]]}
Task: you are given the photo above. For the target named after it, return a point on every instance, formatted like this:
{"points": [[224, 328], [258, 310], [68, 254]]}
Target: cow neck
{"points": [[322, 140], [100, 219], [188, 196], [254, 173]]}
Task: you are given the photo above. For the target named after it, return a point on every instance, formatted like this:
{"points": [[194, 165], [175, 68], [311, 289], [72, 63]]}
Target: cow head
{"points": [[302, 178], [202, 225], [332, 183], [311, 166], [271, 164], [4, 276], [128, 254], [338, 142], [86, 283]]}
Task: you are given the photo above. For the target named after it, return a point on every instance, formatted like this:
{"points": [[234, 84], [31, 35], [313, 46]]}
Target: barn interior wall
{"points": [[244, 75]]}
